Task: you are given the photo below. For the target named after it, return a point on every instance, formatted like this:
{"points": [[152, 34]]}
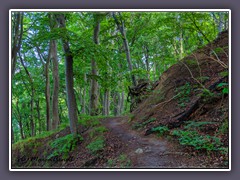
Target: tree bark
{"points": [[84, 94], [39, 116], [122, 103], [71, 100], [17, 38], [20, 121], [55, 120], [94, 84]]}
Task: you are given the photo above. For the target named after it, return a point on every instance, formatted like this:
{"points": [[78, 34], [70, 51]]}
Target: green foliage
{"points": [[90, 121], [97, 145], [97, 131], [223, 73], [218, 51], [161, 130], [183, 94], [64, 145], [202, 78], [195, 125], [225, 89], [224, 127], [122, 161], [207, 95], [193, 138], [141, 125]]}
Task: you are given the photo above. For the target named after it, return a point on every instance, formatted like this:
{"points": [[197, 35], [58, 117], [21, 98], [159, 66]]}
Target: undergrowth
{"points": [[63, 146], [96, 145]]}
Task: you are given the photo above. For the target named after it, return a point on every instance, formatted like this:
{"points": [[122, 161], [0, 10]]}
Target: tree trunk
{"points": [[94, 83], [147, 61], [17, 38], [47, 84], [55, 120], [71, 100], [83, 95], [122, 103], [39, 117], [106, 105], [122, 30], [20, 121], [32, 97]]}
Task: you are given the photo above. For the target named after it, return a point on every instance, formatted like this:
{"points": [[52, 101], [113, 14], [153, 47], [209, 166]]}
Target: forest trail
{"points": [[149, 151]]}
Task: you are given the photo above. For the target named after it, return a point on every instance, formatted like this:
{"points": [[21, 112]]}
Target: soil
{"points": [[152, 151]]}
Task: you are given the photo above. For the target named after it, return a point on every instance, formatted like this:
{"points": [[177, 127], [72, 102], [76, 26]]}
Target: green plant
{"points": [[97, 131], [90, 121], [193, 138], [140, 125], [64, 145], [183, 93], [96, 145], [161, 130], [124, 161], [225, 89], [223, 73], [224, 127], [194, 124], [110, 162]]}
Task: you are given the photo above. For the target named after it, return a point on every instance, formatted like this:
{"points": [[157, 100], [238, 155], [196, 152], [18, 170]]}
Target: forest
{"points": [[85, 83]]}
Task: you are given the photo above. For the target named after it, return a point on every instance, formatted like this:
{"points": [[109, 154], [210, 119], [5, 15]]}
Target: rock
{"points": [[139, 151]]}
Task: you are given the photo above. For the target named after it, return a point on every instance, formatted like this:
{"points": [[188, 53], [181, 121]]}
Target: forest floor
{"points": [[155, 152]]}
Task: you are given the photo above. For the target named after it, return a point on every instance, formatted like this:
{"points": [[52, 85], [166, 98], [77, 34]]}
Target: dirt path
{"points": [[149, 151]]}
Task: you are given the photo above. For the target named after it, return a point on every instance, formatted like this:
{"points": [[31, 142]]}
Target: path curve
{"points": [[149, 151]]}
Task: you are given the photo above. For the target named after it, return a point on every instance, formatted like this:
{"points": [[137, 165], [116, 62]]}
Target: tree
{"points": [[120, 24], [53, 44], [71, 100], [94, 83]]}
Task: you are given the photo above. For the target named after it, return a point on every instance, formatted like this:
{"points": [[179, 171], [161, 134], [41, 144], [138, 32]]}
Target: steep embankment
{"points": [[191, 101]]}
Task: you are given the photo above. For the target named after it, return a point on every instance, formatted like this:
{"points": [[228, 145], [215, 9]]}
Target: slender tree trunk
{"points": [[122, 103], [47, 95], [55, 120], [181, 45], [32, 97], [122, 30], [71, 100], [84, 95], [147, 61], [94, 84], [47, 84], [20, 121], [106, 105], [17, 38], [39, 116]]}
